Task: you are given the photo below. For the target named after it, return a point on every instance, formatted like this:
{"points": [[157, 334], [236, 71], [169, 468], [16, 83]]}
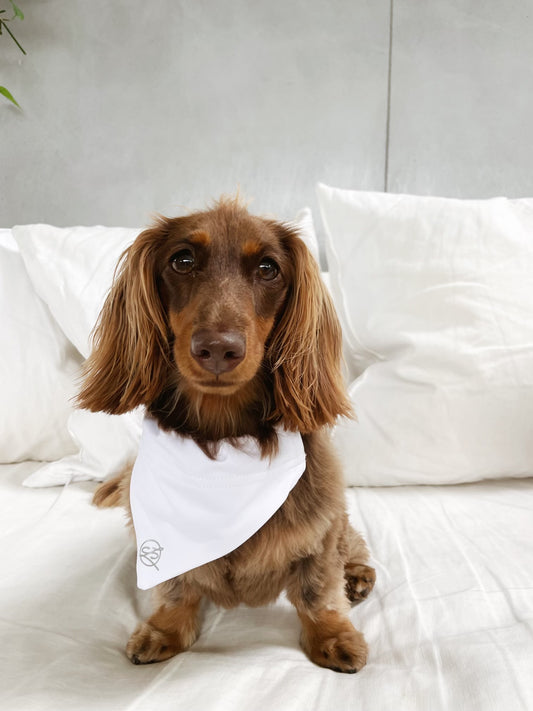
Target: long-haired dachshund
{"points": [[219, 325]]}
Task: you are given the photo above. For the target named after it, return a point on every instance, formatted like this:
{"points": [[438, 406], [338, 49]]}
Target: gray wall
{"points": [[131, 107]]}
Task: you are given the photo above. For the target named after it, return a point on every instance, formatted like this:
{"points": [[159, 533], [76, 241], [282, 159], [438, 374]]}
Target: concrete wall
{"points": [[131, 107]]}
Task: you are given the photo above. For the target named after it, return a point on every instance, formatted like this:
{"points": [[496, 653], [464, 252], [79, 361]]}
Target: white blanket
{"points": [[449, 624]]}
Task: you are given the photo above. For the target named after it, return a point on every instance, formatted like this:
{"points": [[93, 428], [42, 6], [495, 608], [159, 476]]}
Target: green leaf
{"points": [[9, 95], [18, 12]]}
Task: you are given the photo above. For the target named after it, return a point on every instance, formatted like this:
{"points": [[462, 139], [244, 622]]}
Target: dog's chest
{"points": [[229, 585], [257, 571]]}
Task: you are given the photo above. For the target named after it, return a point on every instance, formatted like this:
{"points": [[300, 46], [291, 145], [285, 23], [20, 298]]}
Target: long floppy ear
{"points": [[130, 356], [306, 347]]}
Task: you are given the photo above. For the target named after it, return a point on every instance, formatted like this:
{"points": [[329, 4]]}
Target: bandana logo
{"points": [[150, 553]]}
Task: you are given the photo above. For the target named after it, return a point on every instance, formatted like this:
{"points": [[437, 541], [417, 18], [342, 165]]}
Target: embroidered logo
{"points": [[150, 553]]}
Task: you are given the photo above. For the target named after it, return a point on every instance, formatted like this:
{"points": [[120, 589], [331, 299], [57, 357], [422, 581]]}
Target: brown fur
{"points": [[289, 375]]}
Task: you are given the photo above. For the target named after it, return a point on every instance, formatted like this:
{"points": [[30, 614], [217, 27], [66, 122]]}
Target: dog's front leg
{"points": [[317, 590], [173, 628]]}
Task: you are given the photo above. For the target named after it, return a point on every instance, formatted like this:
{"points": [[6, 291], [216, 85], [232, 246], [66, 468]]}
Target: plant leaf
{"points": [[9, 96], [18, 12]]}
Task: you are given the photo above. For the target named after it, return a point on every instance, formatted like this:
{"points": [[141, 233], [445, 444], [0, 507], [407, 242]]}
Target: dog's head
{"points": [[211, 303]]}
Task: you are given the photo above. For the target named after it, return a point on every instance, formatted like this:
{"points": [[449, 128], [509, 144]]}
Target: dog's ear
{"points": [[130, 356], [305, 349]]}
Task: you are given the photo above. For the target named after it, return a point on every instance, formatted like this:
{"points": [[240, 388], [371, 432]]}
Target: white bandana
{"points": [[188, 509]]}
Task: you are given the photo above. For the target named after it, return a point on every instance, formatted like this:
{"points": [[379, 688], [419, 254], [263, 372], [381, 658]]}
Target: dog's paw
{"points": [[346, 652], [360, 580], [330, 640], [148, 645]]}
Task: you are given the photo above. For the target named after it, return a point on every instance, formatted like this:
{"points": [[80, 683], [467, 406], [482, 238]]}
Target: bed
{"points": [[440, 484], [449, 624]]}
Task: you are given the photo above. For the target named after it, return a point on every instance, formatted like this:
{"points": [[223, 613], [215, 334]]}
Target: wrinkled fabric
{"points": [[449, 623]]}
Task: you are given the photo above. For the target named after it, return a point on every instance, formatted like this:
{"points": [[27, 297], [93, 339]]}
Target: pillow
{"points": [[37, 368], [107, 444], [435, 297], [72, 270]]}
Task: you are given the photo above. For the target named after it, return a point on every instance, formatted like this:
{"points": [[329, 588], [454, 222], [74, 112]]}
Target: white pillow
{"points": [[436, 301], [37, 368], [107, 444], [72, 270]]}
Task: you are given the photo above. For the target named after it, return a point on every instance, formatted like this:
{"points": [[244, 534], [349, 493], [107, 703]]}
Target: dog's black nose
{"points": [[218, 351]]}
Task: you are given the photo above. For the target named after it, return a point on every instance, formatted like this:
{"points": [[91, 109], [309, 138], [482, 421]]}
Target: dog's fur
{"points": [[184, 286]]}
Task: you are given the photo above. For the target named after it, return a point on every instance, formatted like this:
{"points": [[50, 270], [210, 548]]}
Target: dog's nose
{"points": [[218, 351]]}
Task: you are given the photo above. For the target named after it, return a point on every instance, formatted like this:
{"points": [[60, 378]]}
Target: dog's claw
{"points": [[148, 645], [346, 654], [330, 640]]}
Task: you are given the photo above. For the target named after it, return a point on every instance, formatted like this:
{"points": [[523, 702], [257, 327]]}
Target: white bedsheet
{"points": [[449, 623]]}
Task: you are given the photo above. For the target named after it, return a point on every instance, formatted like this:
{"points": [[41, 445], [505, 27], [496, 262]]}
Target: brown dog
{"points": [[219, 324]]}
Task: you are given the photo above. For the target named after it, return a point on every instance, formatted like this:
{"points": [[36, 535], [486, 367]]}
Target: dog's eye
{"points": [[267, 269], [183, 261]]}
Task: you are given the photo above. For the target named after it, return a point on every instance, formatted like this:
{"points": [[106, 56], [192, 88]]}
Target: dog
{"points": [[218, 323]]}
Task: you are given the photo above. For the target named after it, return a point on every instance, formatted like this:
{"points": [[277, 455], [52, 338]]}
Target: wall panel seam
{"points": [[389, 84]]}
